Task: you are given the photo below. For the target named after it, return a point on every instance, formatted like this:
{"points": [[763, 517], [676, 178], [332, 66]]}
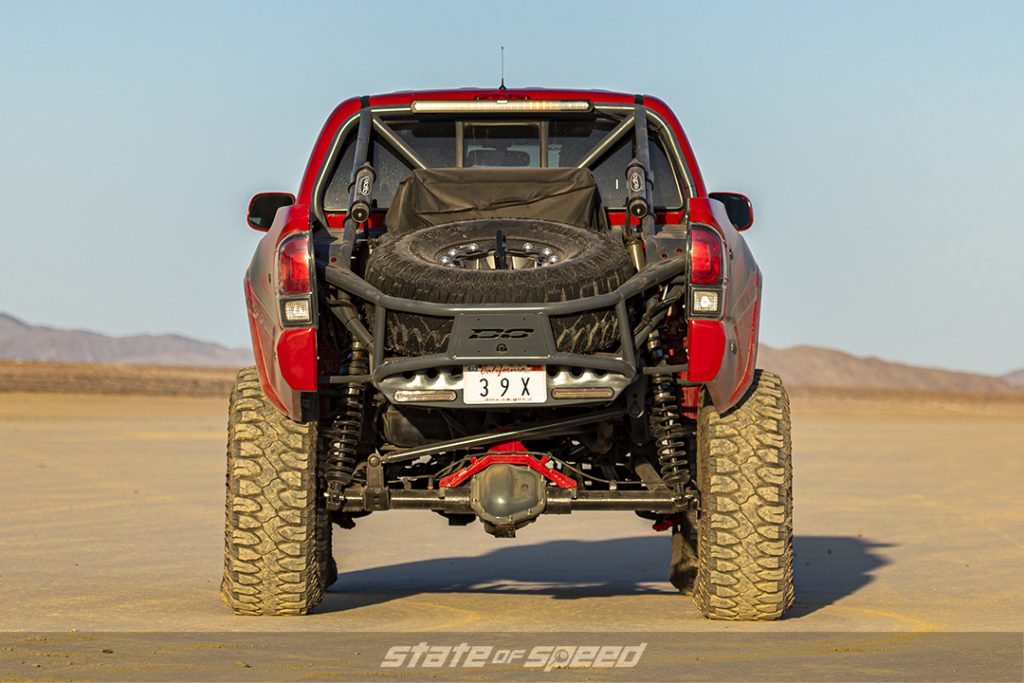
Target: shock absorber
{"points": [[340, 437], [670, 438]]}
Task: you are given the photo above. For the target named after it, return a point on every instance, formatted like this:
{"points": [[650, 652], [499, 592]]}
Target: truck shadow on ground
{"points": [[827, 568]]}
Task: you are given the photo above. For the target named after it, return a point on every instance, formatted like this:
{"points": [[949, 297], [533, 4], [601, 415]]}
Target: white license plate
{"points": [[504, 384]]}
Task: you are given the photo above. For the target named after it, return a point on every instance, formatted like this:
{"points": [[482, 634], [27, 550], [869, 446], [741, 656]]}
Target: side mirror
{"points": [[739, 208], [263, 207]]}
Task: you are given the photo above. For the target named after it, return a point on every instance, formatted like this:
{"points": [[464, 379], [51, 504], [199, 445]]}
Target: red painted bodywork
{"points": [[721, 354], [286, 359], [300, 347]]}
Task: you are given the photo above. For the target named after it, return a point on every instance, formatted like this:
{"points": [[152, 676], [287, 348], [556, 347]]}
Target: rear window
{"points": [[571, 140], [506, 144]]}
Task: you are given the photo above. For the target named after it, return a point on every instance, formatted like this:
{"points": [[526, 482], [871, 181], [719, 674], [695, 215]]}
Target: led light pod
{"points": [[417, 395], [297, 311], [705, 301]]}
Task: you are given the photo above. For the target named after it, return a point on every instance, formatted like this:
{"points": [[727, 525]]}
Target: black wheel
{"points": [[499, 261], [277, 557], [745, 523]]}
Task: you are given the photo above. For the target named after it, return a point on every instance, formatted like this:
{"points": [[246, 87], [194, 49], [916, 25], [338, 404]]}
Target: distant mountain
{"points": [[812, 366], [21, 341]]}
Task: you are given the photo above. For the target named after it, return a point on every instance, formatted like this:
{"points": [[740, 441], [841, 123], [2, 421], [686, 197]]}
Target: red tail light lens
{"points": [[293, 270], [705, 256]]}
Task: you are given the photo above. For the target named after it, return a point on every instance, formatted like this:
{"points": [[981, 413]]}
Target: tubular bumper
{"points": [[537, 349]]}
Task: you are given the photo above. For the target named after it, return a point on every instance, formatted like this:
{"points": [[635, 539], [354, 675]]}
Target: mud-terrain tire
{"points": [[277, 535], [745, 524], [407, 266]]}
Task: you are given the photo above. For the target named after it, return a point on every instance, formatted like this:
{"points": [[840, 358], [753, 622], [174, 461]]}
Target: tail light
{"points": [[293, 268], [293, 282], [707, 270], [705, 256]]}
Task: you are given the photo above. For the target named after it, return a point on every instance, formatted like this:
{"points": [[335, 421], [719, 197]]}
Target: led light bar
{"points": [[582, 392], [414, 395], [507, 106]]}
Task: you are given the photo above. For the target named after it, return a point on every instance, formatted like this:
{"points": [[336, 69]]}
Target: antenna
{"points": [[502, 86]]}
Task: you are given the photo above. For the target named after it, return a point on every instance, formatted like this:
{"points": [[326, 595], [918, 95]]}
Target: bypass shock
{"points": [[666, 422], [341, 435]]}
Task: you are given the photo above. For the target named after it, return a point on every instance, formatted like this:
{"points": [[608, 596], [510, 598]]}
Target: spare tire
{"points": [[505, 261]]}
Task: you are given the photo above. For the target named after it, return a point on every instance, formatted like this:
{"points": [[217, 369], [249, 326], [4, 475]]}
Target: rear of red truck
{"points": [[500, 304]]}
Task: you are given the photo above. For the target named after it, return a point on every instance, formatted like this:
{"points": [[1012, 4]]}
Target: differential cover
{"points": [[507, 497]]}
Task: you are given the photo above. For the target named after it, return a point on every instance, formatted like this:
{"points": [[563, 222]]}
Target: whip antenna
{"points": [[502, 86]]}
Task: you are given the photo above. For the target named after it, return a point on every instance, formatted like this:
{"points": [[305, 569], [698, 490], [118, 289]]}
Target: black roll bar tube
{"points": [[361, 188], [639, 190], [639, 176], [389, 134], [656, 274], [606, 143]]}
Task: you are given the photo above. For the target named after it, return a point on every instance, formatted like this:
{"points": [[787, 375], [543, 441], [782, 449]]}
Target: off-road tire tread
{"points": [[745, 528], [277, 539]]}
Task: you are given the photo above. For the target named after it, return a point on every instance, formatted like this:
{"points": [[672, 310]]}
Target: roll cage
{"points": [[374, 121], [651, 306]]}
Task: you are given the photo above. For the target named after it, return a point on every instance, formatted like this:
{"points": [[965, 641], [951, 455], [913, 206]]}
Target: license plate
{"points": [[504, 384]]}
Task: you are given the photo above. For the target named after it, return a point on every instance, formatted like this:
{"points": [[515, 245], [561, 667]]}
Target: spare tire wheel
{"points": [[505, 261]]}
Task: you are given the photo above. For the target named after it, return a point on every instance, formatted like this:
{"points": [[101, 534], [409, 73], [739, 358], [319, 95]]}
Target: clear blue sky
{"points": [[881, 142]]}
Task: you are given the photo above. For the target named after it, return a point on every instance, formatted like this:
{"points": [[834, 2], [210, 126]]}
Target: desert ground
{"points": [[908, 519]]}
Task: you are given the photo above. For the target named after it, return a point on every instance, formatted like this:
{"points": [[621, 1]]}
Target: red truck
{"points": [[498, 304]]}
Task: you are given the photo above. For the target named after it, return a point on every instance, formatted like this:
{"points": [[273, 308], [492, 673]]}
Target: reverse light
{"points": [[705, 301], [297, 311], [293, 266], [705, 256], [507, 106]]}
